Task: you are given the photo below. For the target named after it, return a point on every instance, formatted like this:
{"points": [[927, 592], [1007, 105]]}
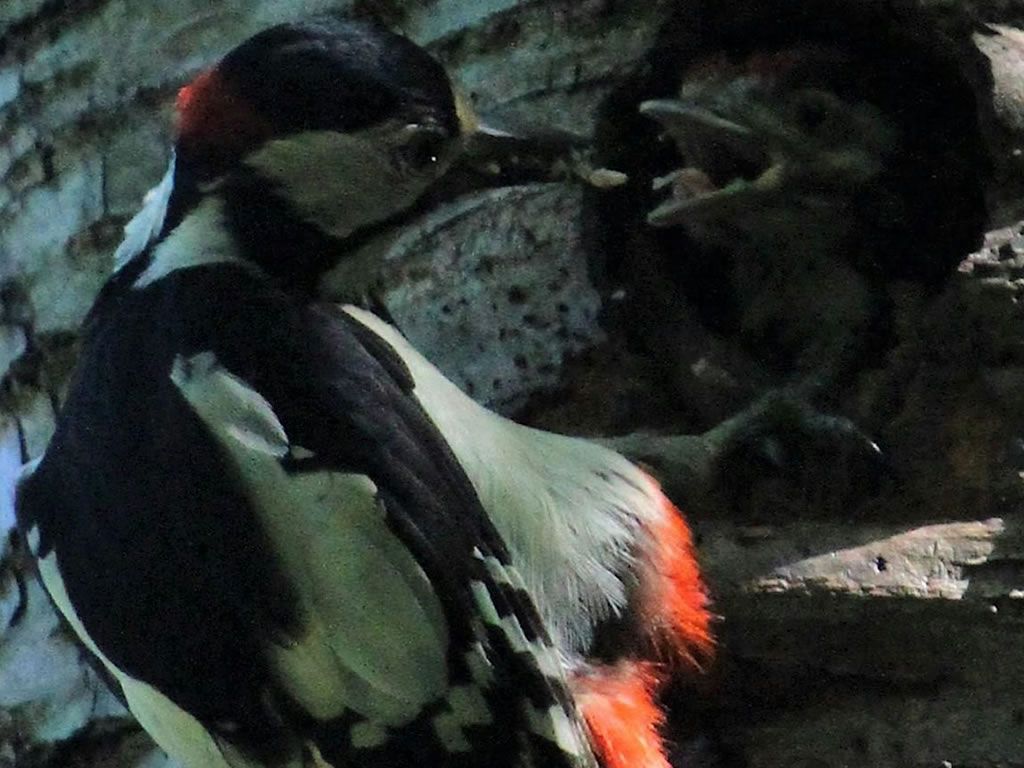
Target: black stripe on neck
{"points": [[185, 195], [273, 236], [266, 228]]}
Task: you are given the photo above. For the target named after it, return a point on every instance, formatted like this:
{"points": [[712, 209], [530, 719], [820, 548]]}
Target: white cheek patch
{"points": [[335, 181]]}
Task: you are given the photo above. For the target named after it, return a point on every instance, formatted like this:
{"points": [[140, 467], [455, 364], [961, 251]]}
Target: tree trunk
{"points": [[885, 632]]}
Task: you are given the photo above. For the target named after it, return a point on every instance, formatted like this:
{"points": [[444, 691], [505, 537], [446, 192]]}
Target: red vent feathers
{"points": [[673, 600], [619, 702], [618, 706]]}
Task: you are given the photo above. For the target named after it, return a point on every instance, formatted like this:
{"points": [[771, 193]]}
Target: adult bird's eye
{"points": [[422, 151]]}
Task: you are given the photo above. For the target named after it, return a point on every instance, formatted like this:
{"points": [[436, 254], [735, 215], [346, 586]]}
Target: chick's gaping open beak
{"points": [[725, 165]]}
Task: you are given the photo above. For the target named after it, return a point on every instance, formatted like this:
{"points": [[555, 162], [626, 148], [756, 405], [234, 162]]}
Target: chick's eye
{"points": [[813, 111]]}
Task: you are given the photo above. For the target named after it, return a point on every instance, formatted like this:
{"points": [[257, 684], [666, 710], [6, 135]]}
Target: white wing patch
{"points": [[374, 638], [147, 223], [571, 511]]}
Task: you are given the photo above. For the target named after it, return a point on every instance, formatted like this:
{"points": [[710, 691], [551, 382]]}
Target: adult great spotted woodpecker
{"points": [[289, 539]]}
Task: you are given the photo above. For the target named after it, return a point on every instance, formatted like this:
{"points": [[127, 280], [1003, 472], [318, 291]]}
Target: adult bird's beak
{"points": [[506, 151]]}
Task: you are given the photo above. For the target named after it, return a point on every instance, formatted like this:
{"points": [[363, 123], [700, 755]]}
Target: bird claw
{"points": [[785, 457]]}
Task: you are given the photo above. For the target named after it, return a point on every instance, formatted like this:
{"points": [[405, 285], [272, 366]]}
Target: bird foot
{"points": [[784, 458]]}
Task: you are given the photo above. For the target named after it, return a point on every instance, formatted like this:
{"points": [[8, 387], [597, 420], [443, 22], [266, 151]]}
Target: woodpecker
{"points": [[293, 542]]}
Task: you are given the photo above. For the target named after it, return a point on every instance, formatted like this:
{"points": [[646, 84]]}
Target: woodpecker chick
{"points": [[774, 163], [816, 176], [291, 541], [769, 139]]}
